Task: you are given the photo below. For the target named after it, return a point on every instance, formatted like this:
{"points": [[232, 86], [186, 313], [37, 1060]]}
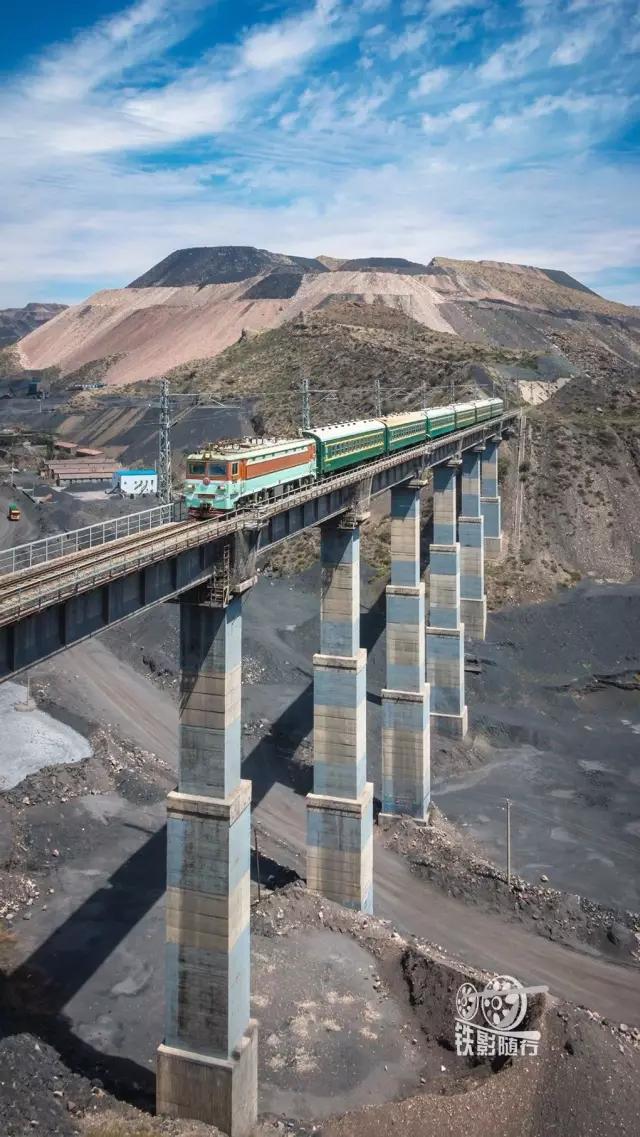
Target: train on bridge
{"points": [[223, 476]]}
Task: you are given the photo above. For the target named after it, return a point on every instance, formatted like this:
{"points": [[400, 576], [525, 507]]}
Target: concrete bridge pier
{"points": [[405, 700], [340, 809], [207, 1064], [473, 601], [490, 504], [445, 632]]}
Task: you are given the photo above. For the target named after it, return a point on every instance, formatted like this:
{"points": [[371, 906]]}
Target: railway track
{"points": [[92, 554], [30, 589]]}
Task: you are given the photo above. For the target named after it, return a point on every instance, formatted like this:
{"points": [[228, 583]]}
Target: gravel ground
{"points": [[446, 856]]}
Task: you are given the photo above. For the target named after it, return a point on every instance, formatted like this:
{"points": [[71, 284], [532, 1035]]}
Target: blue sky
{"points": [[416, 128]]}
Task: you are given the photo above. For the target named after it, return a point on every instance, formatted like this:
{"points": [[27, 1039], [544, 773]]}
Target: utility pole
{"points": [[164, 447], [509, 842], [257, 847], [378, 399], [306, 401]]}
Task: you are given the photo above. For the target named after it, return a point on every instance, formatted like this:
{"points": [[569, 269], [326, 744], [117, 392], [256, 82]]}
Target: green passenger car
{"points": [[347, 443], [440, 420], [465, 415], [483, 410], [404, 430]]}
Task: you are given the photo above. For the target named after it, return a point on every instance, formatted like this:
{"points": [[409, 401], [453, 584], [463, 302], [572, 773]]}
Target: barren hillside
{"points": [[18, 322], [577, 479], [198, 302]]}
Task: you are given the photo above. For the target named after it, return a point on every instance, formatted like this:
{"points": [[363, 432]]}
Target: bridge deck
{"points": [[155, 565]]}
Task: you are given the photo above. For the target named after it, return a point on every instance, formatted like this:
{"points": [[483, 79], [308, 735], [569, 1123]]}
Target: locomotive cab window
{"points": [[196, 468], [234, 469], [217, 469]]}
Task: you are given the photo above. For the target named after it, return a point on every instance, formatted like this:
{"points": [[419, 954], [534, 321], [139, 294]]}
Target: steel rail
{"points": [[32, 590], [56, 545], [48, 569], [24, 582]]}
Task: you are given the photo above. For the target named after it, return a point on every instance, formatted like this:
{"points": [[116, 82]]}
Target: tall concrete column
{"points": [[340, 809], [207, 1064], [405, 699], [490, 504], [473, 601], [445, 632]]}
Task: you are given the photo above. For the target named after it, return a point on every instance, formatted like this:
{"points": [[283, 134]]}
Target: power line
{"points": [[306, 395]]}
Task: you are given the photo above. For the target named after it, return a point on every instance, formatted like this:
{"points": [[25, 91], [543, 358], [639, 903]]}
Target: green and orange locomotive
{"points": [[225, 475]]}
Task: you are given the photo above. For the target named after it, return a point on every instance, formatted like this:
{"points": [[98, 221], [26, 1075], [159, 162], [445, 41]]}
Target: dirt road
{"points": [[147, 716]]}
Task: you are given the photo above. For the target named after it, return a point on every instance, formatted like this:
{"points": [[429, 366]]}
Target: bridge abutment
{"points": [[473, 601], [340, 809], [490, 503], [207, 1064], [445, 632], [405, 699]]}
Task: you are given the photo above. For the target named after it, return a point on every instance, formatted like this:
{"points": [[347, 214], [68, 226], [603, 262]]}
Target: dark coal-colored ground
{"points": [[220, 264], [566, 754], [362, 1032], [445, 855]]}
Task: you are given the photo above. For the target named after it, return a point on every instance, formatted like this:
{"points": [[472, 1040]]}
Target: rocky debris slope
{"points": [[446, 856], [345, 346], [575, 481], [29, 849]]}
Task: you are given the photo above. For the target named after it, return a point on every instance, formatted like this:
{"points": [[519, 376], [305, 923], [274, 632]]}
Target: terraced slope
{"points": [[198, 302]]}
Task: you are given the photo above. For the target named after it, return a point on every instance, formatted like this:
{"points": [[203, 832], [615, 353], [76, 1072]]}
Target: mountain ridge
{"points": [[15, 323], [197, 302]]}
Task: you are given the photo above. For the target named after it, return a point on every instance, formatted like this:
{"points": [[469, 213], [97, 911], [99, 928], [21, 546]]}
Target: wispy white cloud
{"points": [[591, 107], [431, 81], [574, 47], [410, 40], [290, 40], [510, 59], [109, 49], [368, 6], [444, 7], [462, 113], [75, 103]]}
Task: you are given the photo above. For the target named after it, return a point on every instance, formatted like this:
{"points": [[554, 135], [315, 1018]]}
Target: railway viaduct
{"points": [[57, 592]]}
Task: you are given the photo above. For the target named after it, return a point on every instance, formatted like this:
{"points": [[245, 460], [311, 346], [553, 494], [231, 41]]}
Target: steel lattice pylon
{"points": [[164, 446]]}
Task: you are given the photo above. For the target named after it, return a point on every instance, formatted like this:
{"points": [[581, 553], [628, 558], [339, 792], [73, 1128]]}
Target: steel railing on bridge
{"points": [[91, 536]]}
